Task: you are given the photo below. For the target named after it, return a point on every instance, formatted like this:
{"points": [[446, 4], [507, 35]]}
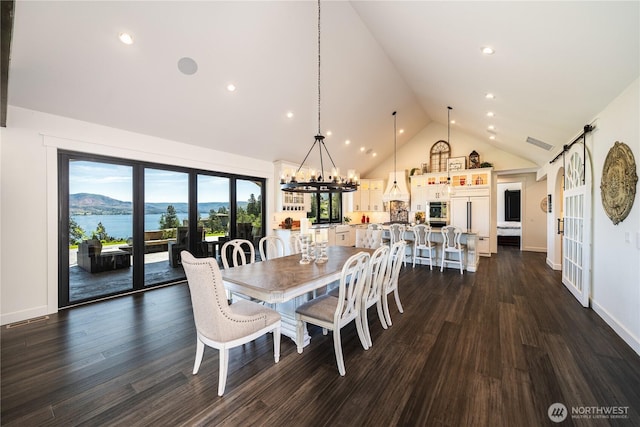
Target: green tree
{"points": [[215, 222], [76, 233], [100, 233], [169, 219], [254, 206]]}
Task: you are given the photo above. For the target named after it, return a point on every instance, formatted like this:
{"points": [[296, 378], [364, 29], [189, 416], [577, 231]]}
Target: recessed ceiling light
{"points": [[491, 127], [453, 122], [289, 114], [488, 50], [329, 133], [362, 149], [231, 87], [490, 96], [401, 131], [490, 114], [347, 142], [125, 38], [374, 154], [492, 137]]}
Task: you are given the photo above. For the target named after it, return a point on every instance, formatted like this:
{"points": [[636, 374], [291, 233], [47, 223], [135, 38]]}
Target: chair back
{"points": [[368, 238], [396, 254], [374, 227], [271, 247], [396, 233], [208, 297], [377, 272], [295, 244], [239, 251], [451, 238], [352, 282], [422, 235]]}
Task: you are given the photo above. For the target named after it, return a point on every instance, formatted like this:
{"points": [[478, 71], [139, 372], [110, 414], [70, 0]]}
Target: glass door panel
{"points": [[214, 207], [166, 219], [100, 229], [249, 210]]}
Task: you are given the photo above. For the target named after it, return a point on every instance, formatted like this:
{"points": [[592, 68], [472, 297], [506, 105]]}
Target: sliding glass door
{"points": [[99, 226], [123, 223], [166, 221]]}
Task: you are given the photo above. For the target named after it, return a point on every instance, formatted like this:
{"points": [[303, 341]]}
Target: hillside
{"points": [[97, 204]]}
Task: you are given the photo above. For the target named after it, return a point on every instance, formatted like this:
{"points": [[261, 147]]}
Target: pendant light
{"points": [[394, 193], [318, 183]]}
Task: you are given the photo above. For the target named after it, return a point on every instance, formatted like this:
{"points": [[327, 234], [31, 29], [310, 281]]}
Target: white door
{"points": [[576, 240]]}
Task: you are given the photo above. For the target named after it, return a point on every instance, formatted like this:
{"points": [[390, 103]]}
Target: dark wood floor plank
{"points": [[492, 348]]}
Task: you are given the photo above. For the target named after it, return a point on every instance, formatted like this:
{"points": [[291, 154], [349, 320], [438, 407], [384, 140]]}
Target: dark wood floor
{"points": [[494, 348]]}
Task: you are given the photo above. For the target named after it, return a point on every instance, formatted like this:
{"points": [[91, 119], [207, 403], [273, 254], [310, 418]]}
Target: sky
{"points": [[116, 181]]}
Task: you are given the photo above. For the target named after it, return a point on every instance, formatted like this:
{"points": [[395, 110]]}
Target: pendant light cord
{"points": [[319, 68], [395, 150]]}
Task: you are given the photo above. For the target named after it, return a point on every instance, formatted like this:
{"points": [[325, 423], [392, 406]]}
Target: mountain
{"points": [[97, 204]]}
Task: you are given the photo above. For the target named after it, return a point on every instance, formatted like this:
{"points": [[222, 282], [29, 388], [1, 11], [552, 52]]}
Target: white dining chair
{"points": [[397, 234], [451, 245], [333, 313], [221, 325], [373, 289], [271, 247], [239, 252], [421, 243], [295, 244], [390, 284]]}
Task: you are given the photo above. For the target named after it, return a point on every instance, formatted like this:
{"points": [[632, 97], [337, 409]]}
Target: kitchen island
{"points": [[469, 239]]}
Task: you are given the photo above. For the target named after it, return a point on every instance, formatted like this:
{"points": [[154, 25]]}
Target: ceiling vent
{"points": [[539, 143]]}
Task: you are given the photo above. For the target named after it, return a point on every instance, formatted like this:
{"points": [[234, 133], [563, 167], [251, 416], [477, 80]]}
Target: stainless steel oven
{"points": [[438, 213]]}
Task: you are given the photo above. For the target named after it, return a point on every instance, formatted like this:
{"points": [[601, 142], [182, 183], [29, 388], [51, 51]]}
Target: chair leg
{"points": [[387, 316], [276, 344], [299, 335], [461, 257], [361, 328], [397, 296], [381, 314], [365, 327], [224, 366], [337, 345], [415, 251], [443, 258], [199, 354]]}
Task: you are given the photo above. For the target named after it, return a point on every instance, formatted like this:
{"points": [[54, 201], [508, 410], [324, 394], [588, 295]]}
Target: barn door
{"points": [[576, 240]]}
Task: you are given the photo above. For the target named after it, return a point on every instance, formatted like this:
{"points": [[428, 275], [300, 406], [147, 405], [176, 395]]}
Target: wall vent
{"points": [[27, 322], [539, 143]]}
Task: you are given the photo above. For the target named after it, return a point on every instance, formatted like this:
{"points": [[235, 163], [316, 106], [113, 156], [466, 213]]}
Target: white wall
{"points": [[28, 201], [615, 289], [416, 151]]}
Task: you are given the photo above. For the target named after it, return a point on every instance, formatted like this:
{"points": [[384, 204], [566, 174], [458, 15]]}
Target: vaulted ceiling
{"points": [[555, 66]]}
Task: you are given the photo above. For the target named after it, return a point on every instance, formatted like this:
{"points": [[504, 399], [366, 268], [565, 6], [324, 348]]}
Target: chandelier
{"points": [[320, 183]]}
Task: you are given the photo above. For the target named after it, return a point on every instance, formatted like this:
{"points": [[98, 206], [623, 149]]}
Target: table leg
{"points": [[287, 312]]}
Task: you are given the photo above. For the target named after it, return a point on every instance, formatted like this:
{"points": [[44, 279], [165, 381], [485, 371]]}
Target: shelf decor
{"points": [[456, 163], [619, 179]]}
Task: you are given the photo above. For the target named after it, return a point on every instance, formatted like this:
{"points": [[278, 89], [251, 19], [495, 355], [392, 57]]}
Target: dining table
{"points": [[284, 283]]}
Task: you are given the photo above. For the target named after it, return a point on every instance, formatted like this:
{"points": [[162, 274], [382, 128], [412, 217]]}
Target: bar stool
{"points": [[451, 245], [422, 242]]}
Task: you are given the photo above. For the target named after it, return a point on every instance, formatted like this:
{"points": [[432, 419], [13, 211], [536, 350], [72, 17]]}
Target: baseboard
{"points": [[619, 329], [534, 249], [19, 316], [554, 266]]}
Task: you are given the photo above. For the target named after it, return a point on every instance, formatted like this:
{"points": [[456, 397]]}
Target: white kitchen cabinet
{"points": [[418, 193], [369, 196], [480, 220], [341, 235], [287, 201]]}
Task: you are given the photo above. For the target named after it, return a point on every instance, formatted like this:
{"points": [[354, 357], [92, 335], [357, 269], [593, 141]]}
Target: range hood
{"points": [[401, 178]]}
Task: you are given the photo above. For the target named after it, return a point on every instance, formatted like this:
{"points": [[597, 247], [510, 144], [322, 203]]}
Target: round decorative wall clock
{"points": [[619, 179]]}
